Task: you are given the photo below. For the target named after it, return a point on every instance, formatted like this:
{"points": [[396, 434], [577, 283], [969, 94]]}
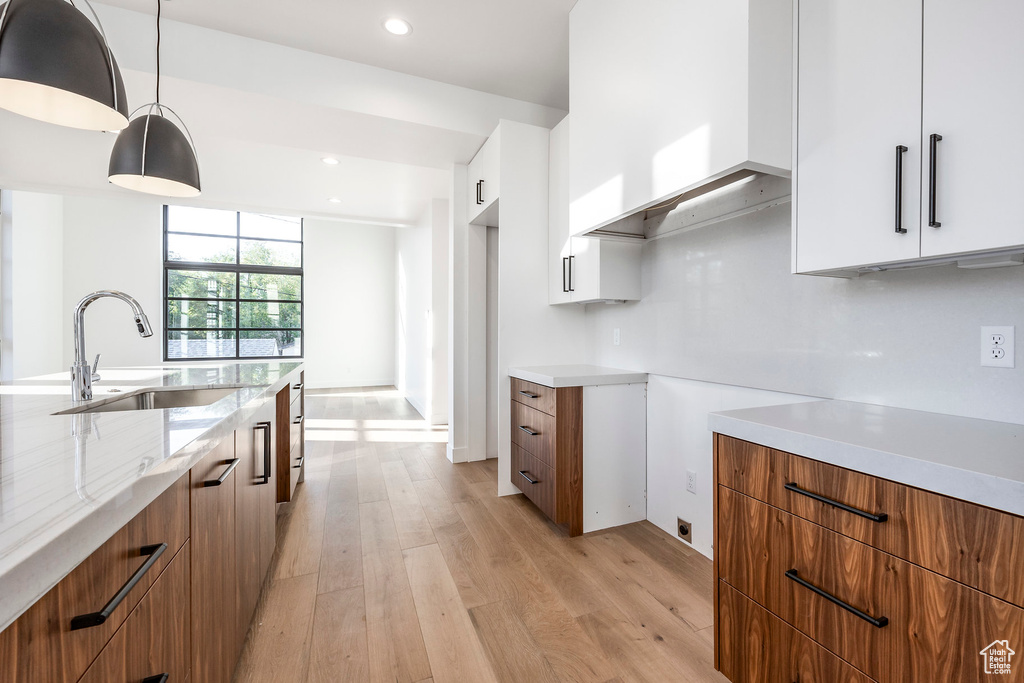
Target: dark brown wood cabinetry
{"points": [[48, 642], [214, 570], [883, 576], [547, 450], [291, 420]]}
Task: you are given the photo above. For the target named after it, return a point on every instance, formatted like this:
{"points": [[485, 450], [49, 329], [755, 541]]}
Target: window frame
{"points": [[238, 268]]}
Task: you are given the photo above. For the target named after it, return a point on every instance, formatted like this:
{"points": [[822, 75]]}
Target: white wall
{"points": [[439, 311], [114, 242], [34, 327], [412, 314], [421, 313], [349, 294], [720, 307]]}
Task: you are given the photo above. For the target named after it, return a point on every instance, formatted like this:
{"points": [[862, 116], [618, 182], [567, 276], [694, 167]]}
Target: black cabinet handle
{"points": [[152, 553], [900, 151], [934, 151], [880, 517], [527, 394], [265, 426], [572, 288], [565, 263], [232, 464], [297, 387], [527, 477], [479, 192], [298, 420], [159, 678], [877, 622], [298, 465], [529, 431]]}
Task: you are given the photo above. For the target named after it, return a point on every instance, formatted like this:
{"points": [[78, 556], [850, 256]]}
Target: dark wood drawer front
{"points": [[934, 626], [534, 432], [980, 547], [534, 395], [746, 629], [536, 480], [154, 640]]}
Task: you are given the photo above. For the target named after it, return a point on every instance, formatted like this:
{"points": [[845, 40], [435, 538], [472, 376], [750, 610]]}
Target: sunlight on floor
{"points": [[376, 431]]}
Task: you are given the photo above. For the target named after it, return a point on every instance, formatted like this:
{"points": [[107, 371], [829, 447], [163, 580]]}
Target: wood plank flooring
{"points": [[394, 565]]}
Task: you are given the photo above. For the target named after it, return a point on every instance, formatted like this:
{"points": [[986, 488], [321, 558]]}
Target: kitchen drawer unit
{"points": [[291, 402], [784, 539], [549, 443], [154, 641], [60, 636]]}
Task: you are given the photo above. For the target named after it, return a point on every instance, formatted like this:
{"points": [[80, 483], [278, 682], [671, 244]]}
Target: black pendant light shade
{"points": [[153, 155], [55, 66]]}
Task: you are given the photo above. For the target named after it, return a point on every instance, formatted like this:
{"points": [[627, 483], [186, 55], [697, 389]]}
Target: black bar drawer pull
{"points": [[298, 420], [479, 192], [880, 517], [900, 151], [152, 553], [878, 622], [527, 394], [565, 262], [527, 477], [297, 387], [265, 426], [572, 288], [232, 464], [529, 431], [159, 678], [298, 465], [932, 182]]}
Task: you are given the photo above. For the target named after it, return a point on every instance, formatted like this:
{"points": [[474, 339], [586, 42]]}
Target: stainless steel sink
{"points": [[155, 399]]}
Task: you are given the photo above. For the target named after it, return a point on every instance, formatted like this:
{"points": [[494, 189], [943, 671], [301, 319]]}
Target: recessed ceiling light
{"points": [[330, 161], [398, 27], [334, 200]]}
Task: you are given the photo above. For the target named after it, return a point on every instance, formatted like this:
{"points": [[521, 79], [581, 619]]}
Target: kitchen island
{"points": [[70, 482]]}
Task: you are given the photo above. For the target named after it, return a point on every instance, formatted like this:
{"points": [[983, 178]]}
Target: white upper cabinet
{"points": [[668, 95], [859, 107], [582, 269], [868, 190], [484, 180], [973, 99]]}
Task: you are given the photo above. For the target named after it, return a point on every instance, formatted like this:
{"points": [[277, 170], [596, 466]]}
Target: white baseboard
{"points": [[348, 384]]}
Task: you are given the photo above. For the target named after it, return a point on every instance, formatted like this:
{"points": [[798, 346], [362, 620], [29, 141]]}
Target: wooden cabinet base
{"points": [[746, 631]]}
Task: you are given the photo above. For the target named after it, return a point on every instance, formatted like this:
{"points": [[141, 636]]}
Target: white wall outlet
{"points": [[997, 347], [615, 336], [691, 481]]}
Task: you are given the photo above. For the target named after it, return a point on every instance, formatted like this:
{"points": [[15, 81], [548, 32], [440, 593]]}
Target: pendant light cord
{"points": [[158, 51]]}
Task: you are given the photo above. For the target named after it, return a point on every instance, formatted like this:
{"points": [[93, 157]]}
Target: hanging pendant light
{"points": [[55, 66], [152, 154]]}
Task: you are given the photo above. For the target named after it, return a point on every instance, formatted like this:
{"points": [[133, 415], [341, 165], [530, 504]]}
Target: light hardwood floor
{"points": [[394, 565]]}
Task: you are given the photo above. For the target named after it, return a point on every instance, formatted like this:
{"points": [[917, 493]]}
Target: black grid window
{"points": [[232, 285]]}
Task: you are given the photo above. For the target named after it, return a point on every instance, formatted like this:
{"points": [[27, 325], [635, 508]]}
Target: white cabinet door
{"points": [[858, 99], [973, 98], [484, 181], [559, 243]]}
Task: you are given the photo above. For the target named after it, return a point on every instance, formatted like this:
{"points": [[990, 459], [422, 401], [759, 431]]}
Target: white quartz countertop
{"points": [[556, 376], [980, 461], [69, 482]]}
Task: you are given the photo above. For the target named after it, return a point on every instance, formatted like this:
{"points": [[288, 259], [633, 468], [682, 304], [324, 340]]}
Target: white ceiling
{"points": [[263, 115], [514, 48]]}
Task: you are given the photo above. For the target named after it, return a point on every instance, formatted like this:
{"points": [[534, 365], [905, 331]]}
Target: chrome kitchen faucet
{"points": [[82, 375]]}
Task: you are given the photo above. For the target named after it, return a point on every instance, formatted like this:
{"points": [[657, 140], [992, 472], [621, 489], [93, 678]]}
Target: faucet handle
{"points": [[95, 366]]}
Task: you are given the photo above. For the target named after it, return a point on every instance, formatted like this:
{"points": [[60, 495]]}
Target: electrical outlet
{"points": [[691, 481], [615, 337], [997, 347], [685, 530]]}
